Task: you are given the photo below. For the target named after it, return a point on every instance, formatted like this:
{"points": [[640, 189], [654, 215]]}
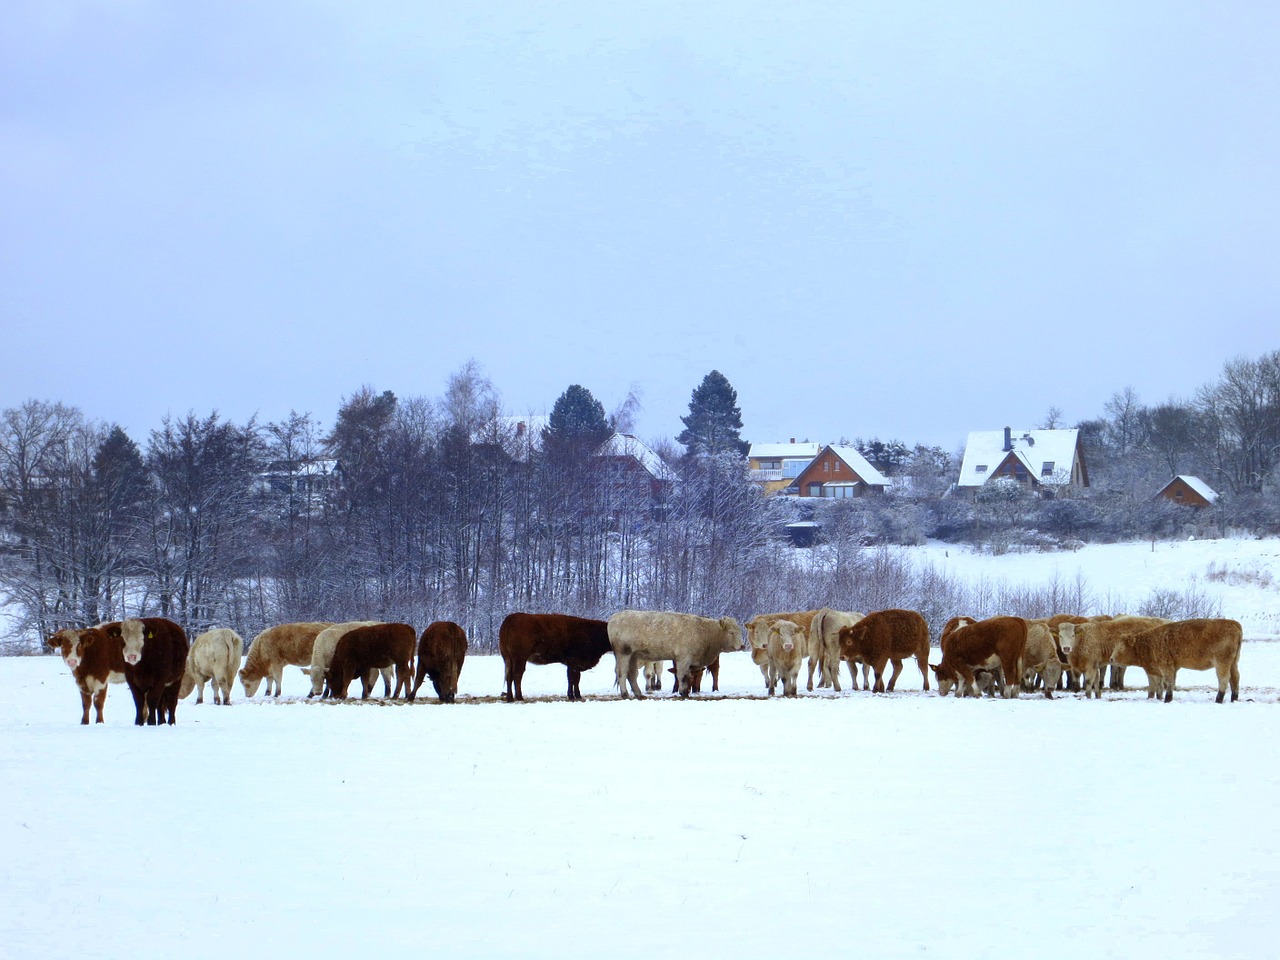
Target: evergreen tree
{"points": [[577, 425], [714, 421]]}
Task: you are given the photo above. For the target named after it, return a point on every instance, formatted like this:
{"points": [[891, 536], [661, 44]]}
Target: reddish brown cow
{"points": [[543, 638], [95, 659], [364, 650], [999, 640], [155, 658], [884, 636], [1200, 644], [441, 651]]}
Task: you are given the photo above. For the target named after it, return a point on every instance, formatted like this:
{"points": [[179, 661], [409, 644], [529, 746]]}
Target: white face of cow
{"points": [[250, 684], [1067, 636], [72, 650], [133, 632], [785, 631]]}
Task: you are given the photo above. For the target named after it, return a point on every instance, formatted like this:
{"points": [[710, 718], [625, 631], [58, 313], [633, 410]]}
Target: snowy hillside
{"points": [[1241, 576]]}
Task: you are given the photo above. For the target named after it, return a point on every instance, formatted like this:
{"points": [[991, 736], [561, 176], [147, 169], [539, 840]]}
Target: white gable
{"points": [[1046, 454]]}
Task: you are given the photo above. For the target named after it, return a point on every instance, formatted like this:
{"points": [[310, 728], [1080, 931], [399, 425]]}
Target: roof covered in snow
{"points": [[784, 451], [1046, 454], [1196, 484], [861, 466], [625, 445]]}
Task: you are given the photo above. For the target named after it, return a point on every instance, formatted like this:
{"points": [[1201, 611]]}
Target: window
{"points": [[826, 466], [980, 468], [770, 464], [815, 489], [837, 466], [1047, 469]]}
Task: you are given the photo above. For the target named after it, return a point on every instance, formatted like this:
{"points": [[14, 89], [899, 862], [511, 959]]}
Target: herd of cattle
{"points": [[999, 655]]}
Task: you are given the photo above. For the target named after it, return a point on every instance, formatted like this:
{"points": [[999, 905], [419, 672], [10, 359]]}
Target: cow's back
{"points": [[543, 638]]}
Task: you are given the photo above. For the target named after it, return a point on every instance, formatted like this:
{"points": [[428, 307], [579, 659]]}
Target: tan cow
{"points": [[1040, 657], [1089, 646], [1200, 644], [784, 651], [824, 647], [273, 649], [758, 629], [692, 642], [214, 658]]}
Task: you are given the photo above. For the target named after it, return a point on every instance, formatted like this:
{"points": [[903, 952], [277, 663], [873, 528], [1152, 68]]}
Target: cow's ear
{"points": [[87, 638]]}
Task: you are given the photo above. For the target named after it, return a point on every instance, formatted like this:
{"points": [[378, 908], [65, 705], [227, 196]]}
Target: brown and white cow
{"points": [[543, 638], [996, 641], [95, 659], [441, 651], [155, 658]]}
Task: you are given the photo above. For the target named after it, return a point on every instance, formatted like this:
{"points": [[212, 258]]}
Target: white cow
{"points": [[785, 648], [692, 642], [322, 651], [214, 656]]}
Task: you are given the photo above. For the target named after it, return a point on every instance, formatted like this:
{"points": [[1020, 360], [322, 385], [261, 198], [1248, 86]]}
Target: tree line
{"points": [[446, 509]]}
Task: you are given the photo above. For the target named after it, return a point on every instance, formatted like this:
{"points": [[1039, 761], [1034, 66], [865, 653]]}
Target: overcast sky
{"points": [[904, 220]]}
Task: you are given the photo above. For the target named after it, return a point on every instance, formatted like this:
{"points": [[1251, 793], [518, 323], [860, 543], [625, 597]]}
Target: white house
{"points": [[1039, 459]]}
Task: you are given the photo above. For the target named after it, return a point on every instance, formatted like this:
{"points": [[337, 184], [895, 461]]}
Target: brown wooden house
{"points": [[1189, 492], [840, 471]]}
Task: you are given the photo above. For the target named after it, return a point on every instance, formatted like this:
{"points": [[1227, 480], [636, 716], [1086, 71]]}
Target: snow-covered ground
{"points": [[1241, 576], [726, 825]]}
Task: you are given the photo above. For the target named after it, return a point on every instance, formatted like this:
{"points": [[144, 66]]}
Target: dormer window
{"points": [[980, 468], [1047, 469]]}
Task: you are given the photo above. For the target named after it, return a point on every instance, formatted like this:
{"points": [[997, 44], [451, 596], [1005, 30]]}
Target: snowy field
{"points": [[899, 825]]}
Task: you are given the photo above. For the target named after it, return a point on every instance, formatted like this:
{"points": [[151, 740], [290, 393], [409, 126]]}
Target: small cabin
{"points": [[1189, 492]]}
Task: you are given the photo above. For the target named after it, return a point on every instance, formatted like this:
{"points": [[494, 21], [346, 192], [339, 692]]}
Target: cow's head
{"points": [[135, 634], [730, 635], [249, 681], [785, 634], [70, 644], [947, 678], [849, 641], [1066, 636]]}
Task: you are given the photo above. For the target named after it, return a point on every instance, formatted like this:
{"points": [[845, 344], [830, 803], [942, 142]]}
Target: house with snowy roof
{"points": [[1189, 492], [1042, 460], [633, 464], [776, 465], [839, 471]]}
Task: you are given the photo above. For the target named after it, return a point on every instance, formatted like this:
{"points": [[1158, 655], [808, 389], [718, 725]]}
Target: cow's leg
{"points": [[139, 705], [1235, 678], [966, 679], [99, 699], [632, 674], [853, 673], [922, 660], [575, 684], [893, 677], [831, 666], [85, 700], [714, 670], [813, 663]]}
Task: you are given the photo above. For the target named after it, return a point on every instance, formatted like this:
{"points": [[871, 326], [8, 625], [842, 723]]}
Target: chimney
{"points": [[793, 440], [1008, 439]]}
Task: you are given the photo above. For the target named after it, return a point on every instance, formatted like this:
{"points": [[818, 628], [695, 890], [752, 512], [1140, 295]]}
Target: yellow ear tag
{"points": [[150, 635]]}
